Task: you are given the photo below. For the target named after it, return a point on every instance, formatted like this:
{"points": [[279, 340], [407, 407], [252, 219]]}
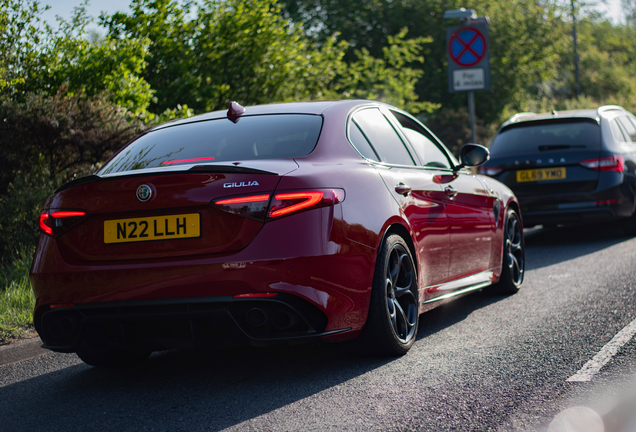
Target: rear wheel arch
{"points": [[513, 256], [515, 206], [403, 232], [497, 251], [392, 323]]}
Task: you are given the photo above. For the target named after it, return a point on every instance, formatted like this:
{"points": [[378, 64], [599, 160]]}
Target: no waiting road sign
{"points": [[467, 46], [468, 57]]}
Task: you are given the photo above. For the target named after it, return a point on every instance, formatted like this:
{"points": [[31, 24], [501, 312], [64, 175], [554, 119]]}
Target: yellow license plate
{"points": [[541, 174], [152, 228]]}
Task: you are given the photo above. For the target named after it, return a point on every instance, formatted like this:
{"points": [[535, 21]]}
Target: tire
{"points": [[513, 264], [393, 319], [113, 358]]}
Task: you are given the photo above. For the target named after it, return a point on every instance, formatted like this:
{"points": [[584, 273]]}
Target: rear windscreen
{"points": [[257, 137], [547, 136]]}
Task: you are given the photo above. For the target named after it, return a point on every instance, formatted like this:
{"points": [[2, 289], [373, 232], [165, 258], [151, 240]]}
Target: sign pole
{"points": [[471, 114]]}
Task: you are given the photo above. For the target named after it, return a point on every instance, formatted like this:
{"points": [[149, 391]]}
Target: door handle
{"points": [[403, 189], [450, 192]]}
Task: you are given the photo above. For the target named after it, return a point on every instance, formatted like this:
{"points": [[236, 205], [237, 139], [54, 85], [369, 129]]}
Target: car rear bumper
{"points": [[556, 217], [318, 266], [601, 205], [203, 323]]}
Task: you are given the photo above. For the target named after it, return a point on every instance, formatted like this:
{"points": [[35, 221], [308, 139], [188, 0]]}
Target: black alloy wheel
{"points": [[393, 319], [513, 265]]}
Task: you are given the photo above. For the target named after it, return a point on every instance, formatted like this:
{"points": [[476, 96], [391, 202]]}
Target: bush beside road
{"points": [[16, 299]]}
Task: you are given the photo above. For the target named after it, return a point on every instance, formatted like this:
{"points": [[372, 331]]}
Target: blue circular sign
{"points": [[467, 46]]}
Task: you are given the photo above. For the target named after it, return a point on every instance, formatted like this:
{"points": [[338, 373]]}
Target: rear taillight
{"points": [[271, 206], [55, 222], [489, 171], [250, 206], [611, 163], [286, 203]]}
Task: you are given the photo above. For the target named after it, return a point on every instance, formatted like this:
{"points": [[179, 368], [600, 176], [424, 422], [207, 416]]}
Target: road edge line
{"points": [[593, 366]]}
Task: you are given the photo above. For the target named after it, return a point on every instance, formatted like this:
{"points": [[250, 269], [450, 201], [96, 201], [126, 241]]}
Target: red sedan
{"points": [[332, 220]]}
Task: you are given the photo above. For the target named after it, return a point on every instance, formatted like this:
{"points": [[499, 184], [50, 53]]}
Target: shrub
{"points": [[16, 296]]}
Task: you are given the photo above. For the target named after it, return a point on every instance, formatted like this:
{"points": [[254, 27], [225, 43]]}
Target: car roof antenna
{"points": [[235, 111]]}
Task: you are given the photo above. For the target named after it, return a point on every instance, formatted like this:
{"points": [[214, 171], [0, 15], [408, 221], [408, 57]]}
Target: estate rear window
{"points": [[537, 137], [221, 140]]}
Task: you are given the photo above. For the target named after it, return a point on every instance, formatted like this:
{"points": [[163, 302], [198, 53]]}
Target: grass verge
{"points": [[16, 296]]}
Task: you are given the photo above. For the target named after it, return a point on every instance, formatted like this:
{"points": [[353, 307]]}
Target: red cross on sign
{"points": [[467, 46]]}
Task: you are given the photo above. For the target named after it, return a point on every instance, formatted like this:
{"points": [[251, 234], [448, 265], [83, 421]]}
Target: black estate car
{"points": [[569, 166]]}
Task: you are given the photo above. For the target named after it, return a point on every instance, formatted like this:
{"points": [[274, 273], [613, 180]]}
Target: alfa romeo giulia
{"points": [[334, 220]]}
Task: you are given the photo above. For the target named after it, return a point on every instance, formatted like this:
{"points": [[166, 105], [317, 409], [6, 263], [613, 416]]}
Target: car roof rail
{"points": [[518, 116], [606, 108]]}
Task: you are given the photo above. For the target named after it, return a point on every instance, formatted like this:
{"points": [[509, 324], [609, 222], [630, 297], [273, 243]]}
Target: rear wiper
{"points": [[558, 147]]}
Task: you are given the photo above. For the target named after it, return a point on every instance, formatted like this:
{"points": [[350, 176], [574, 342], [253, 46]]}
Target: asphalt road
{"points": [[480, 363]]}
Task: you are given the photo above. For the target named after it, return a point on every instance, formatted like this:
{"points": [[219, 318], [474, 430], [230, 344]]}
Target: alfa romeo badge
{"points": [[144, 193]]}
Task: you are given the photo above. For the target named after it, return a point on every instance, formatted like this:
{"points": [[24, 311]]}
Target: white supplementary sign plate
{"points": [[469, 79]]}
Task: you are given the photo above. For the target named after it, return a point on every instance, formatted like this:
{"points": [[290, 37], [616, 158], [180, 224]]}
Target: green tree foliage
{"points": [[36, 58], [95, 66], [204, 57], [525, 36], [388, 77], [229, 50], [608, 60], [20, 39]]}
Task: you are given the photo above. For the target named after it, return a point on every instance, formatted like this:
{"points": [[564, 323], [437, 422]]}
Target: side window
{"points": [[361, 143], [428, 152], [617, 134], [384, 139], [628, 127]]}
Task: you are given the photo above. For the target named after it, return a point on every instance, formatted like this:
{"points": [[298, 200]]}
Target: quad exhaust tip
{"points": [[280, 319]]}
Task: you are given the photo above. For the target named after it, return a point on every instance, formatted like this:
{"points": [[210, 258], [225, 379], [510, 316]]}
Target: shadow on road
{"points": [[179, 390], [548, 246], [449, 314], [190, 390]]}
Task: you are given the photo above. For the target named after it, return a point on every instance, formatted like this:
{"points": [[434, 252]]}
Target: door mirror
{"points": [[472, 155]]}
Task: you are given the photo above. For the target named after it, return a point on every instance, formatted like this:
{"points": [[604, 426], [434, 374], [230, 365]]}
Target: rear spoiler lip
{"points": [[206, 168]]}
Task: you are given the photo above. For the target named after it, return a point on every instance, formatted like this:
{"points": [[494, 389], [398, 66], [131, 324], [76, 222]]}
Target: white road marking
{"points": [[592, 367]]}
